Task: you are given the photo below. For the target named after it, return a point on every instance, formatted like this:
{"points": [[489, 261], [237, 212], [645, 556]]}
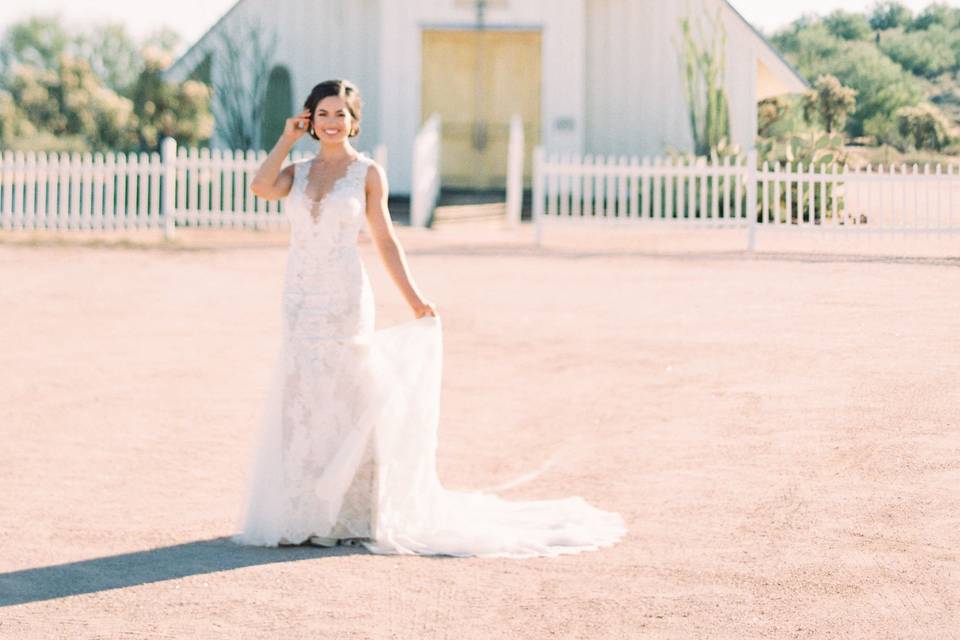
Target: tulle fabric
{"points": [[415, 513]]}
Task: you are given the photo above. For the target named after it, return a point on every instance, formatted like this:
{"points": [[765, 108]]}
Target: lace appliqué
{"points": [[316, 202]]}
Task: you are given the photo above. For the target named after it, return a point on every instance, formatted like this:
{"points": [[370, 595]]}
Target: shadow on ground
{"points": [[144, 567]]}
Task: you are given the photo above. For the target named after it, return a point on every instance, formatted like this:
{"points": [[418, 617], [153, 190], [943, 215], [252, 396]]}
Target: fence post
{"points": [[538, 179], [168, 158], [425, 179], [751, 207], [515, 170]]}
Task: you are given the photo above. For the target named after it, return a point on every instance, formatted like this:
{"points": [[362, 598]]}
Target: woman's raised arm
{"points": [[271, 182]]}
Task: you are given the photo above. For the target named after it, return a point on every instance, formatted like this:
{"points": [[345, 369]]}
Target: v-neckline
{"points": [[319, 202]]}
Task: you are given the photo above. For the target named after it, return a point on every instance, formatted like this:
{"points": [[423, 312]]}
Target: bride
{"points": [[348, 434]]}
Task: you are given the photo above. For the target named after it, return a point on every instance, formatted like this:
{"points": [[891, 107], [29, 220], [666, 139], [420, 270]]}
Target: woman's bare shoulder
{"points": [[376, 174]]}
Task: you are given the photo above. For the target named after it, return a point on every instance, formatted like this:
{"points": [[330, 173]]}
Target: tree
{"points": [[65, 91], [112, 54], [889, 15], [924, 53], [811, 47], [163, 39], [14, 123], [830, 102], [181, 111], [882, 85], [38, 41], [71, 102], [703, 74], [935, 14], [245, 57], [848, 26]]}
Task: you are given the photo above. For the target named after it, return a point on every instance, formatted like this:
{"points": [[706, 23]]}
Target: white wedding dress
{"points": [[348, 433]]}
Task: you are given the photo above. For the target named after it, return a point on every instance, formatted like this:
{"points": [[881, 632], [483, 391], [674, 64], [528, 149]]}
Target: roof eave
{"points": [[776, 52], [175, 69]]}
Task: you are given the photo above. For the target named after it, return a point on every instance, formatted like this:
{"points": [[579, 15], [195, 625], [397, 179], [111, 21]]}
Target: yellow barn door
{"points": [[477, 80]]}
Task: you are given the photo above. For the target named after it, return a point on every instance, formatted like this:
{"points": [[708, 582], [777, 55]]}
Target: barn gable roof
{"points": [[788, 68], [182, 67]]}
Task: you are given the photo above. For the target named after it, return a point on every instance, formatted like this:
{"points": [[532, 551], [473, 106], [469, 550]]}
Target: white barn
{"points": [[587, 76]]}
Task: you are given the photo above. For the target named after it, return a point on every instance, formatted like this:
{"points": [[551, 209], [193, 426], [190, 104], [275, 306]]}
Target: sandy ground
{"points": [[780, 431]]}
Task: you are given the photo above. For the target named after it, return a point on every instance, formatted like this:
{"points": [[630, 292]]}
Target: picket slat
{"points": [[109, 191], [29, 187], [43, 171], [19, 171]]}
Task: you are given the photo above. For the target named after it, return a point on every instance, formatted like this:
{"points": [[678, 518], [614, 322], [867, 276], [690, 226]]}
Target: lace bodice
{"points": [[323, 233], [337, 217]]}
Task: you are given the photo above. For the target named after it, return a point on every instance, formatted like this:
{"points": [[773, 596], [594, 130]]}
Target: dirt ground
{"points": [[780, 430]]}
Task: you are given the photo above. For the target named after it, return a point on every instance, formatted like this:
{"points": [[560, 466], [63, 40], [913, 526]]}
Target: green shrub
{"points": [[925, 127], [924, 53]]}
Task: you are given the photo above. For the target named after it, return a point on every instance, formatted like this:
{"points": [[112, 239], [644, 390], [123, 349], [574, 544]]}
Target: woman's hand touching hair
{"points": [[295, 127]]}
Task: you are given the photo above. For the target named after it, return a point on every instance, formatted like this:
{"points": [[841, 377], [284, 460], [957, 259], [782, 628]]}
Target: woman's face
{"points": [[332, 121]]}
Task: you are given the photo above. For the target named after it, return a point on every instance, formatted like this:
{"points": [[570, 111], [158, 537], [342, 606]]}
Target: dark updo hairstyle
{"points": [[342, 88]]}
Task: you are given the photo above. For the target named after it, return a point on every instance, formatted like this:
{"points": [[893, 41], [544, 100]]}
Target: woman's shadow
{"points": [[152, 565]]}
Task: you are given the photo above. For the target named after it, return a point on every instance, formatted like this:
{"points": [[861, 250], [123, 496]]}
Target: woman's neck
{"points": [[336, 151]]}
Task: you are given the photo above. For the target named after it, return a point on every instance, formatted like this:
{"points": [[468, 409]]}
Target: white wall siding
{"points": [[634, 93], [635, 100], [317, 41], [333, 39], [743, 51]]}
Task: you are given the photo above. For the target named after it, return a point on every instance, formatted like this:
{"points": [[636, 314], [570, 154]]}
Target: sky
{"points": [[191, 18]]}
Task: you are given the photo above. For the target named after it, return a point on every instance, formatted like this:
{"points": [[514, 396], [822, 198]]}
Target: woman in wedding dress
{"points": [[346, 452]]}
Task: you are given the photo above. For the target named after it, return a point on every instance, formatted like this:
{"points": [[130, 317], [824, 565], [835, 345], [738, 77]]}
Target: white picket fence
{"points": [[425, 187], [735, 192], [118, 191]]}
